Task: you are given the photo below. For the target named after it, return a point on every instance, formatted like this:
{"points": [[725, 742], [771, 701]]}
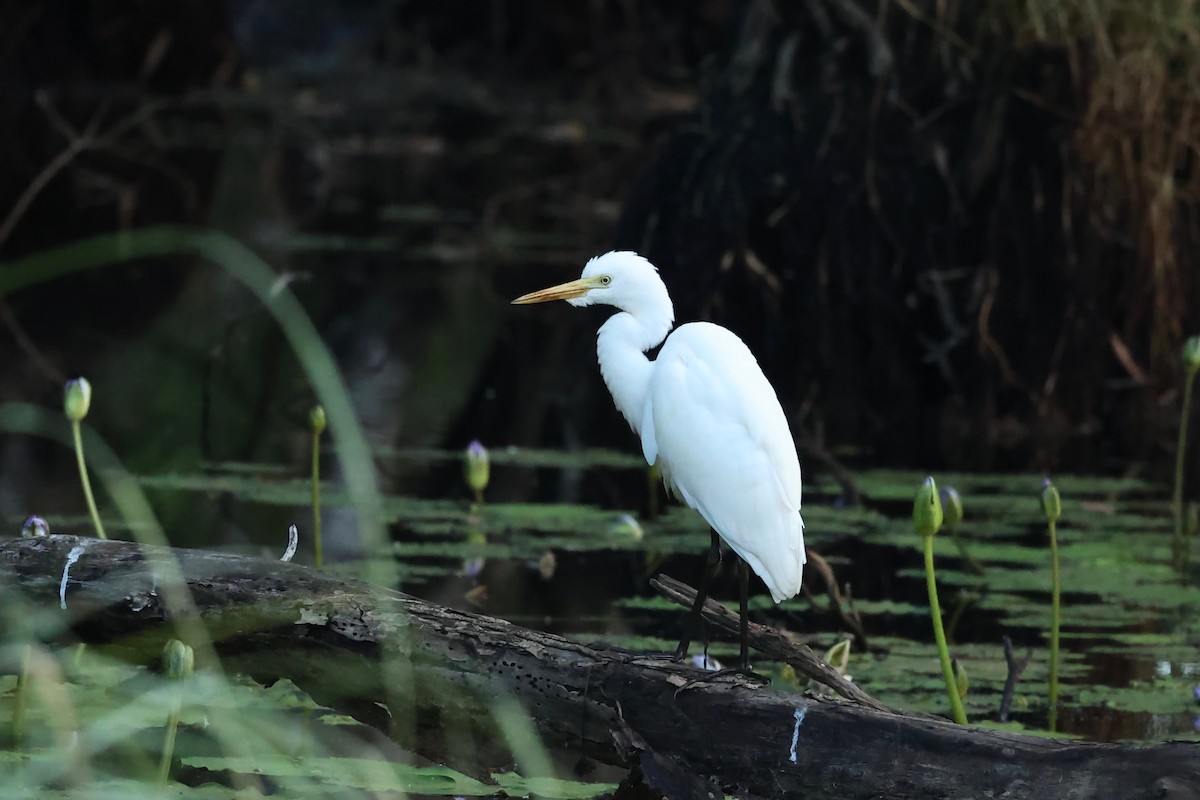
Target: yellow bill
{"points": [[563, 291]]}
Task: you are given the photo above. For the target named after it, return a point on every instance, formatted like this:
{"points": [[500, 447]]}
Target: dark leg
{"points": [[744, 580], [694, 621], [744, 668]]}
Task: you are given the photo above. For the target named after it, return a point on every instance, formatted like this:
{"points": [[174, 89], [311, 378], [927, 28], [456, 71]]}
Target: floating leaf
{"points": [[359, 773], [516, 786]]}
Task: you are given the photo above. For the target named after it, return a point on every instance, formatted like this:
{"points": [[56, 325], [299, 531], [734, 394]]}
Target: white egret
{"points": [[707, 416]]}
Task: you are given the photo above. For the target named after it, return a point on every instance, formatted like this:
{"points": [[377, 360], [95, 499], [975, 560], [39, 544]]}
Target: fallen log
{"points": [[353, 646]]}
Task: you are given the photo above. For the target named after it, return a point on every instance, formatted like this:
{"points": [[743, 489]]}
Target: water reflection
{"points": [[1129, 672]]}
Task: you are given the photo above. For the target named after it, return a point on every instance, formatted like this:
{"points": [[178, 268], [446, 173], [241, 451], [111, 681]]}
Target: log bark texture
{"points": [[353, 646]]}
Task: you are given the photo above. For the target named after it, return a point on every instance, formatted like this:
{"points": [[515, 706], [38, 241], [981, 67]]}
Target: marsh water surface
{"points": [[1132, 659]]}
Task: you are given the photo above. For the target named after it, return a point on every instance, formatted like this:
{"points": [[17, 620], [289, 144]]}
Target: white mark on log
{"points": [[293, 540], [310, 617], [799, 714], [72, 557]]}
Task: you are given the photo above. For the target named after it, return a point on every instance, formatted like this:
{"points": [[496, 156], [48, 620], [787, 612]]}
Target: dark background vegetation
{"points": [[957, 234]]}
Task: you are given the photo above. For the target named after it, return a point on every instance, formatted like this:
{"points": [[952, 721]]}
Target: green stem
{"points": [[961, 603], [960, 715], [168, 753], [1055, 621], [1188, 533], [975, 566], [18, 720], [1180, 449], [318, 553], [77, 436], [83, 477]]}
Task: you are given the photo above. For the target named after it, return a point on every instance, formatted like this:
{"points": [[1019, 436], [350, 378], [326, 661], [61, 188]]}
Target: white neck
{"points": [[621, 346]]}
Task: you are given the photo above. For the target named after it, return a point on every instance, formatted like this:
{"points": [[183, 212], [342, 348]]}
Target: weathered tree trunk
{"points": [[353, 645]]}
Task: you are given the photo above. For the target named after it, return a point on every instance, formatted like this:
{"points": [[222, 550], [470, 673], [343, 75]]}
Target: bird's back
{"points": [[714, 425]]}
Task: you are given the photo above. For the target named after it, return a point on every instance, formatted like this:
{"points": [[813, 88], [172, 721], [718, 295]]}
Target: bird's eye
{"points": [[605, 280]]}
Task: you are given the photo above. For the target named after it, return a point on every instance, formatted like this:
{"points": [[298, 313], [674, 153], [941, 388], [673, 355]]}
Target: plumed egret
{"points": [[707, 416]]}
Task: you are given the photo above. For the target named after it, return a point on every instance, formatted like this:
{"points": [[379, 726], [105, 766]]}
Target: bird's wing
{"points": [[724, 445], [649, 442]]}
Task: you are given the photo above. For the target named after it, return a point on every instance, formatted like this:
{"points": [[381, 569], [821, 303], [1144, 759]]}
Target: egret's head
{"points": [[620, 278]]}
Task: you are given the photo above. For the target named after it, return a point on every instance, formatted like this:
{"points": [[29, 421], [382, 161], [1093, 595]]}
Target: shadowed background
{"points": [[956, 237]]}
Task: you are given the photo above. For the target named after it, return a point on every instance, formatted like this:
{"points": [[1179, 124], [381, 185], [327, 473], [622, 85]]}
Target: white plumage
{"points": [[705, 412], [724, 447]]}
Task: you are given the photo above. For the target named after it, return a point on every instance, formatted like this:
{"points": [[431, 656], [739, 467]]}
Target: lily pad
{"points": [[315, 775]]}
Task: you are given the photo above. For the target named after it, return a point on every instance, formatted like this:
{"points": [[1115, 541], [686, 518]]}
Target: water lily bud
{"points": [[316, 420], [178, 659], [927, 509], [547, 565], [626, 525], [786, 676], [1051, 502], [1191, 353], [961, 682], [475, 468], [77, 399], [838, 656], [952, 508], [34, 526]]}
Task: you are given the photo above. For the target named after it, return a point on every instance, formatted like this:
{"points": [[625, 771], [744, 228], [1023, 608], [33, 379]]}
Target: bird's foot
{"points": [[640, 655], [712, 675], [676, 656], [670, 655]]}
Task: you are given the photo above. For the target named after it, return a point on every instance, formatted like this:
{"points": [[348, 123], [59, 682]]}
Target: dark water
{"points": [[1131, 646]]}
